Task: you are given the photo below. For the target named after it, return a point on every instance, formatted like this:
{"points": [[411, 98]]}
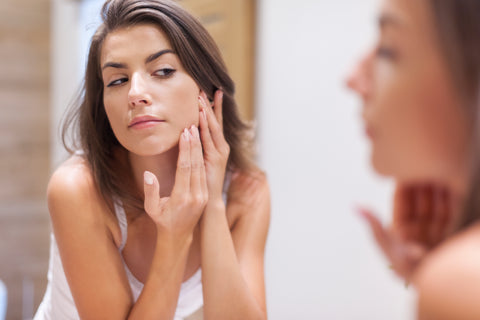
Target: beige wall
{"points": [[232, 24], [24, 148]]}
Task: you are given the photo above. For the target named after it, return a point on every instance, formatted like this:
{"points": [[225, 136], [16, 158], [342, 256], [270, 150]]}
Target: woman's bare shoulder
{"points": [[72, 178], [249, 188], [72, 188], [248, 199], [448, 281]]}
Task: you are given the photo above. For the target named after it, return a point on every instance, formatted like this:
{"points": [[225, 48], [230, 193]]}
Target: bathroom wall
{"points": [[25, 151]]}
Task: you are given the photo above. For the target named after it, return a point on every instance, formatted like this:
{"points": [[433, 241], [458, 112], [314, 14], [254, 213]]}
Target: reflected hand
{"points": [[422, 218]]}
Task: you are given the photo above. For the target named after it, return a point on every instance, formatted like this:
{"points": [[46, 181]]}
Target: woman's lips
{"points": [[142, 122], [369, 132], [367, 125]]}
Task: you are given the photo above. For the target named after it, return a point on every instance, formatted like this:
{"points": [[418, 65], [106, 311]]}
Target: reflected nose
{"points": [[138, 94], [359, 79]]}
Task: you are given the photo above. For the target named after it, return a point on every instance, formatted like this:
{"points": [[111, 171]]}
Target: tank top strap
{"points": [[122, 222]]}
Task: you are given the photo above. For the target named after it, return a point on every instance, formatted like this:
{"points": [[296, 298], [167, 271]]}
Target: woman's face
{"points": [[149, 98], [411, 110]]}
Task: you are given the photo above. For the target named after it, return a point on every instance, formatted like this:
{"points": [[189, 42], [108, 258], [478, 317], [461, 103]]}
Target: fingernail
{"points": [[202, 102], [148, 177], [186, 134], [190, 132], [194, 131], [361, 212]]}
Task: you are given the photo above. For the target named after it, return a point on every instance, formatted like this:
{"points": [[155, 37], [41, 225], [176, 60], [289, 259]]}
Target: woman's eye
{"points": [[165, 72], [387, 53], [117, 82]]}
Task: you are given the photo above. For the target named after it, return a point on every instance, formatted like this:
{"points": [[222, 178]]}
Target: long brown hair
{"points": [[458, 25], [200, 57]]}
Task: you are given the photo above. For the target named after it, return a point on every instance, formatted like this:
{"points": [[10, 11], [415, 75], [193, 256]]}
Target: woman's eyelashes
{"points": [[165, 72], [384, 52], [117, 82], [161, 73]]}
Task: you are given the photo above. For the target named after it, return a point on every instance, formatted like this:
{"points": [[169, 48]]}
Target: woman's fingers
{"points": [[184, 166], [444, 215], [403, 255], [216, 131], [151, 188], [207, 141], [380, 234], [218, 107], [424, 212], [409, 256], [421, 213], [198, 180], [402, 208]]}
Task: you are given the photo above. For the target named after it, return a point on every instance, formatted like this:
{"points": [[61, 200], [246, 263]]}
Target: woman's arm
{"points": [[232, 262], [91, 260]]}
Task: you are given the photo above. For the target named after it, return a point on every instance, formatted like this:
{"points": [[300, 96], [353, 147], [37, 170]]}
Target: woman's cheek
{"points": [[190, 111]]}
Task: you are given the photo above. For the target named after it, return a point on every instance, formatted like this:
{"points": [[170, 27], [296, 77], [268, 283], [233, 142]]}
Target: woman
{"points": [[419, 86], [142, 227]]}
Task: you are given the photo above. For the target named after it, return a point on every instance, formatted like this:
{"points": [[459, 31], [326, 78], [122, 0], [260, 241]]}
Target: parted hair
{"points": [[87, 124]]}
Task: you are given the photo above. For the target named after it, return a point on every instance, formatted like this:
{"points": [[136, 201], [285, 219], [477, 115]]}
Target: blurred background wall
{"points": [[24, 149], [321, 261], [289, 60]]}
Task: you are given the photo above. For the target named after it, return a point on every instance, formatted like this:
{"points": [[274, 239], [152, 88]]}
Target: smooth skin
{"points": [[186, 223], [419, 136]]}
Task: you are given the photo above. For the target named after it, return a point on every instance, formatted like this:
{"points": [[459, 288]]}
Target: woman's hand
{"points": [[215, 147], [179, 213], [422, 216]]}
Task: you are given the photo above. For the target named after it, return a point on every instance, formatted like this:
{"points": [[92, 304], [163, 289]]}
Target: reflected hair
{"points": [[88, 124], [458, 25]]}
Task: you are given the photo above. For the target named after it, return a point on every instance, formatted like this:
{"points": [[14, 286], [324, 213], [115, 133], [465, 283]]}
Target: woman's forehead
{"points": [[134, 41], [416, 14], [412, 21]]}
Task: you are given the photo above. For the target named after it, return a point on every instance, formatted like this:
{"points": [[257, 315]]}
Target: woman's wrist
{"points": [[215, 204], [169, 238]]}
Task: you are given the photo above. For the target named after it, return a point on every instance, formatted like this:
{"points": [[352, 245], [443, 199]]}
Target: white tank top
{"points": [[58, 302]]}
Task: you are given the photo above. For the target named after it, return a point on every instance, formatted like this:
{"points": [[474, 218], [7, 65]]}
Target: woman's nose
{"points": [[359, 79], [138, 94]]}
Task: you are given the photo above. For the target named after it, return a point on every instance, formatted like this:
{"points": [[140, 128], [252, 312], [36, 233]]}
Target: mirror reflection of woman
{"points": [[420, 87], [160, 213]]}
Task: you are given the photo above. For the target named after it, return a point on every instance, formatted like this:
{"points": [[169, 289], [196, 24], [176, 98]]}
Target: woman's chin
{"points": [[380, 168], [401, 172], [152, 150], [384, 167]]}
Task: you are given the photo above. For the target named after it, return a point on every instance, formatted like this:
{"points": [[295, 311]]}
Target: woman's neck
{"points": [[458, 187], [163, 166]]}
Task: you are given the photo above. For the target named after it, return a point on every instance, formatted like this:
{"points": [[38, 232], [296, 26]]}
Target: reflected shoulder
{"points": [[448, 280]]}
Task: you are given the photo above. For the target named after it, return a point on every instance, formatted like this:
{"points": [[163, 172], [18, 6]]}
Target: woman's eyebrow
{"points": [[388, 19], [149, 59], [157, 55], [114, 65]]}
